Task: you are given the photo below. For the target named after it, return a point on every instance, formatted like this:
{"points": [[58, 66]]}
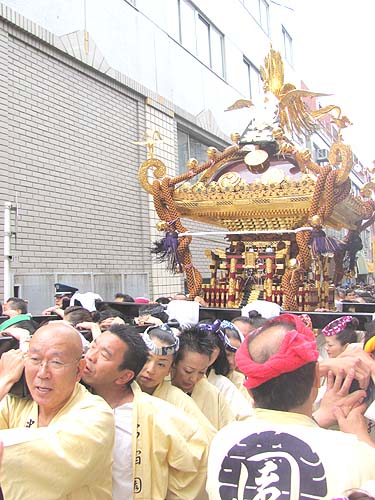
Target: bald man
{"points": [[281, 452], [58, 443]]}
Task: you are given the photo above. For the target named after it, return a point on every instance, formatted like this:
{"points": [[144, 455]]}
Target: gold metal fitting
{"points": [[161, 226], [192, 163], [235, 137], [211, 153]]}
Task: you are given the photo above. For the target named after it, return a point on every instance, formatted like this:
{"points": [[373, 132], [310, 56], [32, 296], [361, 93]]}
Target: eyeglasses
{"points": [[52, 364]]}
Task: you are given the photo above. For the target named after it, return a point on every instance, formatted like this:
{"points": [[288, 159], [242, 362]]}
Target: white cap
{"points": [[186, 312], [264, 307]]}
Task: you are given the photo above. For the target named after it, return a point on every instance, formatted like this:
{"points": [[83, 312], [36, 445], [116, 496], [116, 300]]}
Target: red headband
{"points": [[297, 349]]}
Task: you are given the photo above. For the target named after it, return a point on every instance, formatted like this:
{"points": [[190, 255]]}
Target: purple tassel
{"points": [[166, 251], [323, 245]]}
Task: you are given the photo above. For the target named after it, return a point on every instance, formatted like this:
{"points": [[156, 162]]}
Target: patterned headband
{"points": [[307, 320], [216, 329], [336, 326], [164, 350], [231, 326]]}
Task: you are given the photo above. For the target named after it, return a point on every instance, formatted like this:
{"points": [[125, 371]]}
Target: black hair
{"points": [[156, 310], [359, 495], [287, 391], [221, 364], [124, 296], [76, 314], [254, 319], [110, 313], [16, 303], [194, 340], [136, 353], [163, 335], [163, 300]]}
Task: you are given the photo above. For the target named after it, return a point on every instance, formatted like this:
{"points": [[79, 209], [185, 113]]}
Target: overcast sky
{"points": [[334, 50]]}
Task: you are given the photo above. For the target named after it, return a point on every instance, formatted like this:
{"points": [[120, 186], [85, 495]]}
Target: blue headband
{"points": [[216, 328]]}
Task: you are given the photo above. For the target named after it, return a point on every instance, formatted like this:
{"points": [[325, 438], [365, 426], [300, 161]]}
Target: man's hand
{"points": [[354, 423], [351, 360], [18, 333], [11, 368], [147, 320], [337, 396], [53, 310]]}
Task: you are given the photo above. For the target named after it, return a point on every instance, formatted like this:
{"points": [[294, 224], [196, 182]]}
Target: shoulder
{"points": [[87, 408]]}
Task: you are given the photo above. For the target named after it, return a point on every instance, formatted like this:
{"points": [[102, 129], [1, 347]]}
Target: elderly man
{"points": [[159, 451], [281, 452], [58, 443]]}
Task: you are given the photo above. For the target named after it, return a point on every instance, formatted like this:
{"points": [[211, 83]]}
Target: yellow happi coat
{"points": [[239, 406], [170, 451], [68, 460], [238, 378], [183, 402], [212, 404]]}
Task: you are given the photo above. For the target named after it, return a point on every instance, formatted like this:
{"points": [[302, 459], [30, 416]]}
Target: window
{"points": [[203, 41], [190, 147], [252, 77], [187, 25], [259, 9], [263, 15], [200, 37], [288, 53]]}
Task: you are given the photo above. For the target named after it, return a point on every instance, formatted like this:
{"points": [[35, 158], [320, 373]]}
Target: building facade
{"points": [[82, 81]]}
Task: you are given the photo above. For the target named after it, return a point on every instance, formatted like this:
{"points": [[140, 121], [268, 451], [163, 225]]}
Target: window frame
{"points": [[251, 67], [288, 45], [199, 17]]}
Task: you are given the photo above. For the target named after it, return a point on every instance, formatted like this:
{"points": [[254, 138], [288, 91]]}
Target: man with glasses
{"points": [[58, 443]]}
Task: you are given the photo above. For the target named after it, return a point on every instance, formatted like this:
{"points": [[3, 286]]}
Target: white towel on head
{"points": [[86, 299], [264, 307], [186, 312]]}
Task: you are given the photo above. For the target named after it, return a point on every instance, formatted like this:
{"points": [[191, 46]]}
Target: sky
{"points": [[333, 49]]}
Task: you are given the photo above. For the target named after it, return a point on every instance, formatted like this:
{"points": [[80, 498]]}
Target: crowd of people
{"points": [[98, 404]]}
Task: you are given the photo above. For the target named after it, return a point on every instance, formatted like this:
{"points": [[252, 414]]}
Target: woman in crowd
{"points": [[220, 368], [235, 339], [339, 334], [246, 324], [163, 345], [189, 374]]}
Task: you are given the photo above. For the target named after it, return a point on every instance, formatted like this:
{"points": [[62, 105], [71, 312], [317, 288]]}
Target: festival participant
{"points": [[247, 324], [235, 338], [16, 310], [167, 449], [281, 451], [58, 442], [339, 333], [189, 374], [219, 369], [154, 379], [123, 297]]}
